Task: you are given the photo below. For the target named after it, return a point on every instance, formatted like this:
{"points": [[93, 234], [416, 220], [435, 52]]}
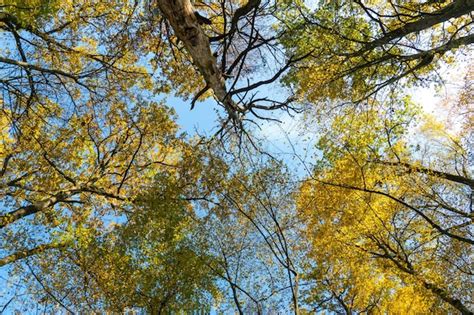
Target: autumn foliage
{"points": [[108, 206]]}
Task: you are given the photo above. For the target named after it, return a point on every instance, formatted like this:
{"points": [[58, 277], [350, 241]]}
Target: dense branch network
{"points": [[239, 39]]}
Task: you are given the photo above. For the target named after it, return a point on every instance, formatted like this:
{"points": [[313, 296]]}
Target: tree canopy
{"points": [[108, 206]]}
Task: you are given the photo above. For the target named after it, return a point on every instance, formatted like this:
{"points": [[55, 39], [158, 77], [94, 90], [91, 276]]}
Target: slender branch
{"points": [[417, 211], [419, 169]]}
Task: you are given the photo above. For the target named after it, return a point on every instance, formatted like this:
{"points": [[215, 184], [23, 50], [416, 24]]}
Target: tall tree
{"points": [[390, 216], [55, 177], [78, 140], [153, 262], [360, 47]]}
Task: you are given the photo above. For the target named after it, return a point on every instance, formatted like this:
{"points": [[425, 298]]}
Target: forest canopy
{"points": [[109, 203]]}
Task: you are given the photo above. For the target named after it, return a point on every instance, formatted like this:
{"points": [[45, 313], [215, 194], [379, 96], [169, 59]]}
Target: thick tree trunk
{"points": [[180, 14], [454, 10]]}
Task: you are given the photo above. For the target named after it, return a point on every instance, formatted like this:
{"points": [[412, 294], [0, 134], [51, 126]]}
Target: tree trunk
{"points": [[180, 14]]}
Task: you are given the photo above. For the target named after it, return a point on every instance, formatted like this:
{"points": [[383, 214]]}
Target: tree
{"points": [[54, 54], [223, 49], [62, 174], [390, 216], [244, 202], [153, 262], [78, 140], [253, 234], [359, 48]]}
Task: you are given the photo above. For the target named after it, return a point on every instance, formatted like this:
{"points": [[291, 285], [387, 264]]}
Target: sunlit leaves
{"points": [[377, 210]]}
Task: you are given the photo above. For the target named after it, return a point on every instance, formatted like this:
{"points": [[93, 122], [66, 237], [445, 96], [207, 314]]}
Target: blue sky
{"points": [[202, 118]]}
